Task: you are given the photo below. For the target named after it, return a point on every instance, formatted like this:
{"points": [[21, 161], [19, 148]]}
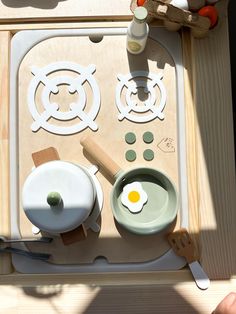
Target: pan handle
{"points": [[100, 156]]}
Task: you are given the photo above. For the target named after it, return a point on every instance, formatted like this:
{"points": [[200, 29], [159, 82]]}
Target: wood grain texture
{"points": [[102, 158], [211, 119], [15, 27], [161, 292], [215, 145], [215, 172], [110, 135], [73, 10], [77, 299], [45, 155], [5, 260], [190, 113]]}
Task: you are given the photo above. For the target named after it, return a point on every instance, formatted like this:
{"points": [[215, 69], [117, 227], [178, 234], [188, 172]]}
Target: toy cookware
{"points": [[161, 206], [58, 196]]}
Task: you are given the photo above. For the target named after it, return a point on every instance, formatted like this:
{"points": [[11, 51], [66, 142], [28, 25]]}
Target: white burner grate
{"points": [[149, 109], [51, 110]]}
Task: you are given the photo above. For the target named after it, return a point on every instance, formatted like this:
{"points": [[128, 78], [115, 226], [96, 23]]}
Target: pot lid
{"points": [[58, 196]]}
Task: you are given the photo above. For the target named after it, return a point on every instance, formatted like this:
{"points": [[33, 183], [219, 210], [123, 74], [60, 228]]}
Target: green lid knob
{"points": [[53, 199]]}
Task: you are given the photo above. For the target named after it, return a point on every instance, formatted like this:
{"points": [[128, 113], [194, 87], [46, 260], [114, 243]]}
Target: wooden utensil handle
{"points": [[99, 155], [45, 155]]}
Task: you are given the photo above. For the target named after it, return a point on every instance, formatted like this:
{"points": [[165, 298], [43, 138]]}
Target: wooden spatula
{"points": [[183, 246]]}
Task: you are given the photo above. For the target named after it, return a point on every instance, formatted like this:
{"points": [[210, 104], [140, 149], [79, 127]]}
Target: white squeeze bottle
{"points": [[137, 32]]}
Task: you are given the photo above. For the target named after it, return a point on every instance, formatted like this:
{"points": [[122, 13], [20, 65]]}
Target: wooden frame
{"points": [[210, 165]]}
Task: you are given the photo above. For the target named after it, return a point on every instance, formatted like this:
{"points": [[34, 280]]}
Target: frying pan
{"points": [[162, 205]]}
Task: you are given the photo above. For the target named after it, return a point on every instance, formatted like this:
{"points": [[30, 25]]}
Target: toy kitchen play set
{"points": [[98, 148]]}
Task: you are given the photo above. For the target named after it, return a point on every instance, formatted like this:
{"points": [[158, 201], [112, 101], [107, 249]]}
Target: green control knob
{"points": [[148, 137], [130, 155], [148, 154], [130, 138]]}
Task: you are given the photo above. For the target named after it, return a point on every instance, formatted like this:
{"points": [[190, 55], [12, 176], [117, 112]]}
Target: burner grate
{"points": [[51, 110]]}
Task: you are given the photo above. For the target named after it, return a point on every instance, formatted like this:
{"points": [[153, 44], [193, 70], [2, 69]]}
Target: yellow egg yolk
{"points": [[134, 196]]}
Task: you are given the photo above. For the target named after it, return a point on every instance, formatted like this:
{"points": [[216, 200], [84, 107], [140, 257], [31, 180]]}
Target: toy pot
{"points": [[58, 196]]}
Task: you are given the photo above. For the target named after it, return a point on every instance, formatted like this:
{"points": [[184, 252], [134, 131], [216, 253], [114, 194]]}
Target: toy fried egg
{"points": [[134, 197]]}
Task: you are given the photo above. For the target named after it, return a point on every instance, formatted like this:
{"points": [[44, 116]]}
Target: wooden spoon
{"points": [[183, 246]]}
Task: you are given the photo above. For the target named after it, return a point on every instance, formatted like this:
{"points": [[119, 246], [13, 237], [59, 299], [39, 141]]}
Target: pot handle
{"points": [[45, 155], [100, 156]]}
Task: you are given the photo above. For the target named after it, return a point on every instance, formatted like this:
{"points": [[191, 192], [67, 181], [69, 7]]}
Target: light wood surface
{"points": [[215, 145], [45, 155], [59, 10], [110, 135], [211, 186], [5, 37], [76, 298], [192, 164]]}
